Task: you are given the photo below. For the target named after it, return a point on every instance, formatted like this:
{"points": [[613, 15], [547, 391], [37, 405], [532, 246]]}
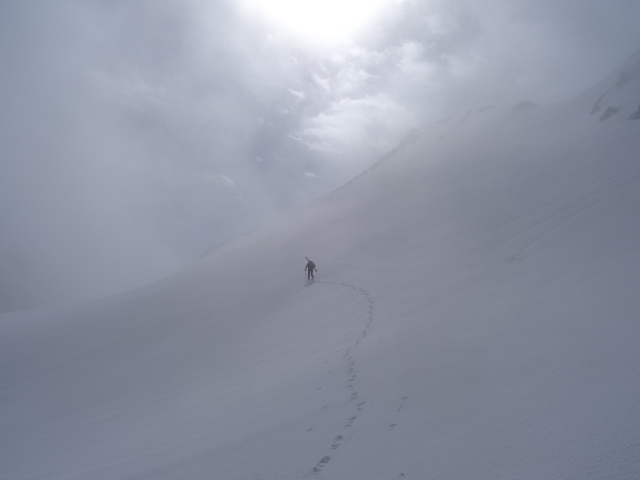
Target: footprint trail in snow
{"points": [[352, 376]]}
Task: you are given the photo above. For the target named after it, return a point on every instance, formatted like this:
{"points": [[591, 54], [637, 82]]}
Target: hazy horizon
{"points": [[136, 135]]}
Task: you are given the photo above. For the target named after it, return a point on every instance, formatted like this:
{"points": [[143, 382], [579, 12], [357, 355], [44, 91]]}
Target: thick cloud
{"points": [[134, 135]]}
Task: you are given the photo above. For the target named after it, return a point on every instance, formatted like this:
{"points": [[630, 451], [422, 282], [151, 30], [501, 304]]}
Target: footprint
{"points": [[350, 421], [323, 461], [336, 442]]}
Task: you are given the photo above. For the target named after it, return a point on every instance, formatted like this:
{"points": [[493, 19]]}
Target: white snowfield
{"points": [[476, 315]]}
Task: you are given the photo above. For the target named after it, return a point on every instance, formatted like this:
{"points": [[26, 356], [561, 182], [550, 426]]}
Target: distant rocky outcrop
{"points": [[618, 94], [608, 113], [524, 106], [597, 106]]}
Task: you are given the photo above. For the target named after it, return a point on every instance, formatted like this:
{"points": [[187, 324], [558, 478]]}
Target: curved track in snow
{"points": [[351, 371]]}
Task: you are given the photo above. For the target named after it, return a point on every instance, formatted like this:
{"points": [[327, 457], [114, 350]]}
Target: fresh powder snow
{"points": [[475, 315]]}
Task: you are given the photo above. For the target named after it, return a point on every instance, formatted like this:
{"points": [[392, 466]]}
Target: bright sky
{"points": [[135, 135], [322, 22]]}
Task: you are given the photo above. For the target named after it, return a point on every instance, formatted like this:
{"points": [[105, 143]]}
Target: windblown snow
{"points": [[475, 315]]}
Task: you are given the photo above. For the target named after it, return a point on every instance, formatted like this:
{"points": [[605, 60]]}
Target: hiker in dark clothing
{"points": [[310, 268]]}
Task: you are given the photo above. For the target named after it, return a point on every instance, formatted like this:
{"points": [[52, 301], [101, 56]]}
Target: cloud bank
{"points": [[135, 135]]}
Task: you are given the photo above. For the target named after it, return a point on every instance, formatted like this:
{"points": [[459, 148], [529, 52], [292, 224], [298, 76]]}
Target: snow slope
{"points": [[475, 315]]}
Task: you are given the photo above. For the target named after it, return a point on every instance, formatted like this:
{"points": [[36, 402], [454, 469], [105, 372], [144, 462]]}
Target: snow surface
{"points": [[475, 316]]}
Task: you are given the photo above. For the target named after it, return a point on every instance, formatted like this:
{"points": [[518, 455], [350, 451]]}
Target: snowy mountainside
{"points": [[475, 315], [619, 94]]}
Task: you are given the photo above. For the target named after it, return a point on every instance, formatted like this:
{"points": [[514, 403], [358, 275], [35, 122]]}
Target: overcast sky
{"points": [[136, 134]]}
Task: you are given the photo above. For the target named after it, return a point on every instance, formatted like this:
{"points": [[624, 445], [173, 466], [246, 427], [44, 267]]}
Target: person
{"points": [[310, 268]]}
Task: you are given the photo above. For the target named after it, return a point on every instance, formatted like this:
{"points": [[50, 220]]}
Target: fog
{"points": [[137, 135]]}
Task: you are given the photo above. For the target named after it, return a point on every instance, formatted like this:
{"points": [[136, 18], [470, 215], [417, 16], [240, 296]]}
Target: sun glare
{"points": [[320, 21]]}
